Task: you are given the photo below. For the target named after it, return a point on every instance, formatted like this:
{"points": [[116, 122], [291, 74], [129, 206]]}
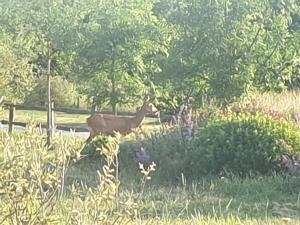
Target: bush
{"points": [[166, 150], [31, 177], [92, 149], [34, 187], [63, 93], [242, 144]]}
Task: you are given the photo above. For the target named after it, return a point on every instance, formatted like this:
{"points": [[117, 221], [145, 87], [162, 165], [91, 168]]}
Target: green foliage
{"points": [[242, 144], [33, 188], [32, 178], [227, 48], [93, 148], [166, 149], [16, 73], [220, 49], [63, 92], [120, 55], [168, 152], [128, 91]]}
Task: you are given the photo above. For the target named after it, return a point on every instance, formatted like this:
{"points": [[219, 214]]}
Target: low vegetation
{"points": [[284, 105], [243, 144], [42, 186]]}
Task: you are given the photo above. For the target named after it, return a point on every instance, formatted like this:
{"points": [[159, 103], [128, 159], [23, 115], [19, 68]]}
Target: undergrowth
{"points": [[60, 186]]}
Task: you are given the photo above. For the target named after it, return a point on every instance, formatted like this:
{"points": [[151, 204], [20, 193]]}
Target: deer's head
{"points": [[150, 107]]}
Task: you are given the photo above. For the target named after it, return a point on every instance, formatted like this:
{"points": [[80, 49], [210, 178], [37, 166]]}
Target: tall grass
{"points": [[287, 103], [53, 186]]}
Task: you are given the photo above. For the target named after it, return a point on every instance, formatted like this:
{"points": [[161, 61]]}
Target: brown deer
{"points": [[108, 124]]}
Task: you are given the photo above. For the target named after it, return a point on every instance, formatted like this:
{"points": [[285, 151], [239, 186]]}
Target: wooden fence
{"points": [[50, 126], [51, 123]]}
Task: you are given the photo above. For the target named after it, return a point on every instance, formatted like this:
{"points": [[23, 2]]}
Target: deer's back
{"points": [[108, 124]]}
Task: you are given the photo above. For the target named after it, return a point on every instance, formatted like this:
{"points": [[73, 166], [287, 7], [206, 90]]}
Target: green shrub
{"points": [[242, 144], [31, 177], [63, 93], [92, 149], [34, 187], [166, 150]]}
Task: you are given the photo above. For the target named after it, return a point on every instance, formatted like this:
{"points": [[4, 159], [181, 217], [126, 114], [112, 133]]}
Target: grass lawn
{"points": [[210, 200]]}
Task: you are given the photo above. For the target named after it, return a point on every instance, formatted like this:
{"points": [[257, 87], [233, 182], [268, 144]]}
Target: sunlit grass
{"points": [[287, 103]]}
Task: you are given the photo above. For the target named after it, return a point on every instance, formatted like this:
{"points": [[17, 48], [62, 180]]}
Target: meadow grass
{"points": [[287, 103], [212, 200]]}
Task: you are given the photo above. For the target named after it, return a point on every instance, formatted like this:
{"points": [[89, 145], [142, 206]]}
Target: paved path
{"points": [[70, 133]]}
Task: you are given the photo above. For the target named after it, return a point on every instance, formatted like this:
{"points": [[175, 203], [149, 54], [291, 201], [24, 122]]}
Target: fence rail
{"points": [[14, 107], [58, 127], [70, 110]]}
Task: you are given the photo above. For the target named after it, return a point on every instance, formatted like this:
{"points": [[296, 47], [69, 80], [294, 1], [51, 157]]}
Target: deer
{"points": [[109, 124]]}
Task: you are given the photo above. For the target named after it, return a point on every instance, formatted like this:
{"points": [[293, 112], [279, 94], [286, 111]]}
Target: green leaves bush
{"points": [[242, 144], [34, 188], [168, 152], [31, 177], [93, 148]]}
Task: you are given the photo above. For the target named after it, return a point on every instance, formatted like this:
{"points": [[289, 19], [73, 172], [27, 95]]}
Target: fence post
{"points": [[11, 118], [53, 117]]}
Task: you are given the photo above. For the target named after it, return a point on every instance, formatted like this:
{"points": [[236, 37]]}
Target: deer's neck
{"points": [[139, 118]]}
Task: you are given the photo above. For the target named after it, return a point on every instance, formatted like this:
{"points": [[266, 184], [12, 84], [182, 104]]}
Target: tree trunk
{"points": [[114, 108], [78, 102], [114, 97], [94, 108], [49, 104]]}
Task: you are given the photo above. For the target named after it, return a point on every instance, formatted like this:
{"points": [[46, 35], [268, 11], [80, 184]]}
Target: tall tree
{"points": [[51, 24], [16, 73], [229, 47], [123, 42]]}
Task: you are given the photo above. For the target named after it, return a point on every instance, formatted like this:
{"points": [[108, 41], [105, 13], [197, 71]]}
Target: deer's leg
{"points": [[92, 135], [89, 139]]}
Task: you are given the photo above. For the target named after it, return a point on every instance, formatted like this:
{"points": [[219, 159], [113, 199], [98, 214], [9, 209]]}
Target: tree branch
{"points": [[250, 46]]}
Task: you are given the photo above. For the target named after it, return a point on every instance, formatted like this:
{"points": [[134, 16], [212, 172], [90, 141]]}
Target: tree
{"points": [[15, 71], [50, 25], [63, 93], [123, 42], [229, 47]]}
